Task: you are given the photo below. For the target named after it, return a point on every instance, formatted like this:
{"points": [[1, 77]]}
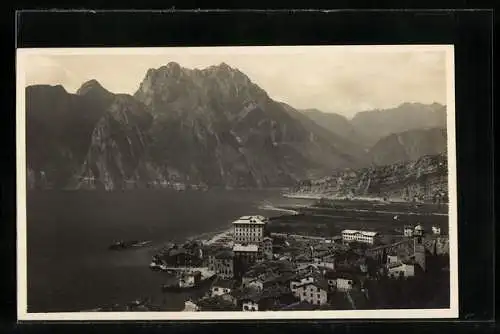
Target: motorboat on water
{"points": [[120, 245]]}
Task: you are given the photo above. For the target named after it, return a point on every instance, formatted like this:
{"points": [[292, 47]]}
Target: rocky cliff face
{"points": [[216, 126], [211, 126], [425, 179], [58, 133], [90, 139], [408, 145], [117, 155]]}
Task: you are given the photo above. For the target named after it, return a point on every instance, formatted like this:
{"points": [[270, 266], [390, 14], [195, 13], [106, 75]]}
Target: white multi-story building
{"points": [[359, 236], [249, 229]]}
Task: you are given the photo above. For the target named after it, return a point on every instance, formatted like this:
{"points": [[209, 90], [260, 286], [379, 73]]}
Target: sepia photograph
{"points": [[266, 182]]}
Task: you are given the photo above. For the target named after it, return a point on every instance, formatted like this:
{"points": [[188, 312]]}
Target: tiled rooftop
{"points": [[258, 220], [365, 233], [245, 248]]}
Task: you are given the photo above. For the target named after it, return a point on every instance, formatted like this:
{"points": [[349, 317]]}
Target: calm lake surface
{"points": [[68, 233]]}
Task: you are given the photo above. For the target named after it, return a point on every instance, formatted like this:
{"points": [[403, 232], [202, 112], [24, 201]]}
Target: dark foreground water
{"points": [[68, 233]]}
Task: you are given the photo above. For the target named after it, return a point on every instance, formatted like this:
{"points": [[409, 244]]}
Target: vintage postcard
{"points": [[210, 183]]}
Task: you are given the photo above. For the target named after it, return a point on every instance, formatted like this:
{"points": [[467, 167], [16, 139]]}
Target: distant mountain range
{"points": [[408, 145], [367, 127], [211, 127]]}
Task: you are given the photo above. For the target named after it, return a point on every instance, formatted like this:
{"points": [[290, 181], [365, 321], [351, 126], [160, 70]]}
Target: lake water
{"points": [[68, 233], [70, 267]]}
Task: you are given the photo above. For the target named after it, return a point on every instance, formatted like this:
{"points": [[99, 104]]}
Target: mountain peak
{"points": [[91, 86], [225, 66], [173, 65], [171, 69]]}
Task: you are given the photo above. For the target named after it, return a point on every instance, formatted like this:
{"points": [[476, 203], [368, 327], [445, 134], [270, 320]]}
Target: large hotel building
{"points": [[359, 236], [249, 229]]}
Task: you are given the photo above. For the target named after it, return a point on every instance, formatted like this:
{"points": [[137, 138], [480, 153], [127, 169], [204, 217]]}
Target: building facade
{"points": [[436, 230], [396, 270], [367, 237], [189, 306], [297, 283], [313, 293], [250, 305], [244, 257], [249, 229], [341, 281], [344, 284], [267, 248], [224, 264], [408, 231], [221, 287]]}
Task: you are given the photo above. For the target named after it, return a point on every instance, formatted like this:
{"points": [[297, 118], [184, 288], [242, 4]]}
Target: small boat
{"points": [[120, 245], [142, 243]]}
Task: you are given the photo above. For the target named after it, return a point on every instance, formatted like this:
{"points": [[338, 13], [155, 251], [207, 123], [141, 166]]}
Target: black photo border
{"points": [[470, 31]]}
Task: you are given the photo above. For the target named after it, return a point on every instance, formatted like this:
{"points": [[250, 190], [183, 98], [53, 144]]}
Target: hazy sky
{"points": [[333, 79]]}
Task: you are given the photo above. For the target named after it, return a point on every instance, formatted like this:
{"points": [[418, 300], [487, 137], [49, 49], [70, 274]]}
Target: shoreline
{"points": [[315, 196], [341, 198]]}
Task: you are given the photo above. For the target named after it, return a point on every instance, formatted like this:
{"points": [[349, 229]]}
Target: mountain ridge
{"points": [[424, 179], [212, 126]]}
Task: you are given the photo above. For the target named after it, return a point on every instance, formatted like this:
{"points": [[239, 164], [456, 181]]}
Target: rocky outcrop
{"points": [[425, 179], [408, 145]]}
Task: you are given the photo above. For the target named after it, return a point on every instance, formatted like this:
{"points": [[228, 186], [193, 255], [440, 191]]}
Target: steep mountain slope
{"points": [[117, 155], [93, 134], [337, 124], [211, 126], [376, 124], [58, 131], [214, 125], [423, 179], [408, 145]]}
